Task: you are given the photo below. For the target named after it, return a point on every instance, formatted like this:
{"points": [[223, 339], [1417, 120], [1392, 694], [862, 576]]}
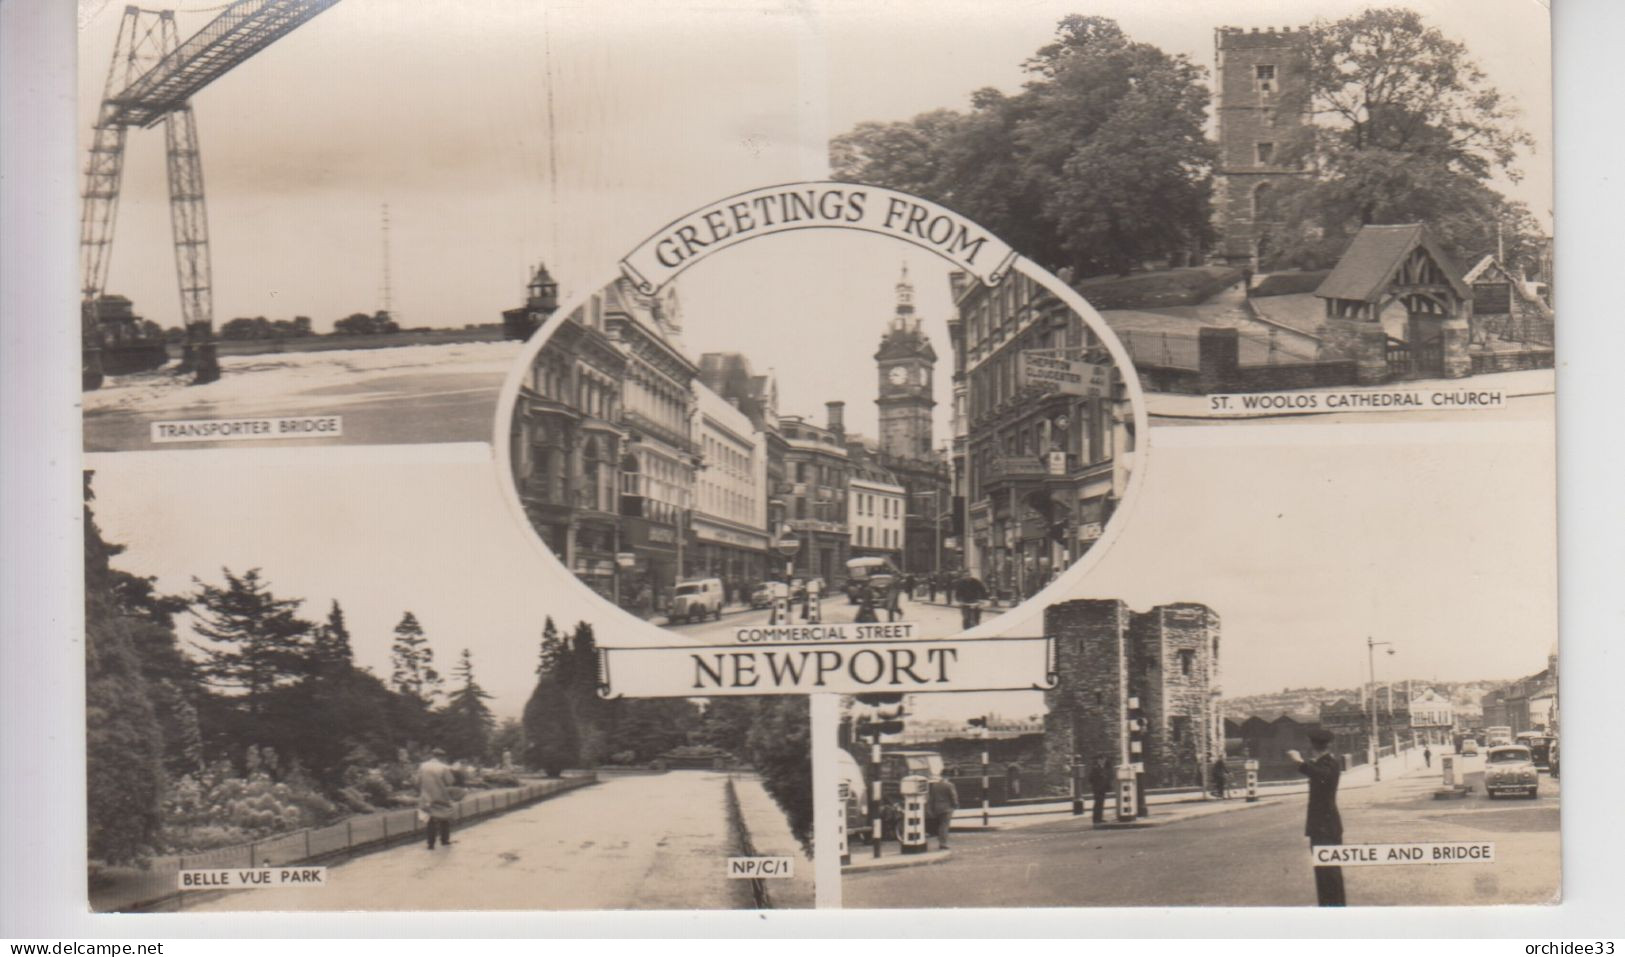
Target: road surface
{"points": [[636, 842], [1253, 856], [403, 395], [930, 620]]}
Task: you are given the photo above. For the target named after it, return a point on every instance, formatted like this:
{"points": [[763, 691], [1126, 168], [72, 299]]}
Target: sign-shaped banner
{"points": [[1368, 855], [838, 667], [794, 206]]}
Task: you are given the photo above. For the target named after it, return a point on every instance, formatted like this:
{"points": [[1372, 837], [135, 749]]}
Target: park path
{"points": [[633, 842]]}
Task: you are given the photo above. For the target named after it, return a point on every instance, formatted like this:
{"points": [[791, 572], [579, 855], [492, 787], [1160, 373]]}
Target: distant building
{"points": [[541, 301], [1261, 81], [876, 506], [816, 475], [905, 364], [1433, 718]]}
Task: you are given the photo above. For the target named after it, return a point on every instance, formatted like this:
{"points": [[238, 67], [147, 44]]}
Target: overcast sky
{"points": [[1437, 537], [441, 109]]}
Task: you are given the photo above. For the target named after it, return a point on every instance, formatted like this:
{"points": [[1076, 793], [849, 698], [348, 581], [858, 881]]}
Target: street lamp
{"points": [[1371, 664]]}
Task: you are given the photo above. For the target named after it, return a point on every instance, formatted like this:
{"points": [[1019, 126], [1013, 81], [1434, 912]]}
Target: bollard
{"points": [[1447, 764], [875, 798], [911, 830], [1251, 766], [984, 787], [1127, 796], [815, 607], [841, 847]]}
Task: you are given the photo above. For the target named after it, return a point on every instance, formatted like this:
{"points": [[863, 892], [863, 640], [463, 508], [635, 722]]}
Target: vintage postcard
{"points": [[744, 456]]}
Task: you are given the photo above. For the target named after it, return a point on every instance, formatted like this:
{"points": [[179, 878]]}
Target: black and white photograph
{"points": [[1203, 732], [911, 521], [900, 445], [419, 729]]}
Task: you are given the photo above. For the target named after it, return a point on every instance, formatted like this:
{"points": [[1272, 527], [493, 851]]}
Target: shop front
{"points": [[650, 572], [734, 555]]}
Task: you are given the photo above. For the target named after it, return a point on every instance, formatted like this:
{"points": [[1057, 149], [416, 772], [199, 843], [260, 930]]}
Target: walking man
{"points": [[1427, 755], [1221, 779], [435, 781], [1323, 825], [1100, 781], [941, 800]]}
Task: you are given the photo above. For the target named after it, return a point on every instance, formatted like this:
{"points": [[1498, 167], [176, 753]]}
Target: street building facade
{"points": [[1528, 704], [730, 500], [1159, 668], [875, 509], [816, 476], [1261, 79], [1049, 434], [568, 440], [657, 480]]}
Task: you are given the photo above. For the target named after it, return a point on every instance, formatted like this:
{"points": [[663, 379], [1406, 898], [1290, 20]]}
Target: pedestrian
{"points": [[941, 800], [1427, 755], [894, 598], [931, 583], [435, 781], [1100, 781], [970, 593], [1323, 825], [1012, 775], [1221, 779]]}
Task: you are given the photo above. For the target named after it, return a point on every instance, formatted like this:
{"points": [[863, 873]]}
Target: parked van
{"points": [[694, 599]]}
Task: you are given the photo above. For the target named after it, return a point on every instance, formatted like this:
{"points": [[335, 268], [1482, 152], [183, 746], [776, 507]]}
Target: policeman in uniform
{"points": [[1324, 825]]}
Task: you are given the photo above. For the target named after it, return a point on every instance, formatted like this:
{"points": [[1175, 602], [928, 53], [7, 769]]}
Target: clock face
{"points": [[898, 375]]}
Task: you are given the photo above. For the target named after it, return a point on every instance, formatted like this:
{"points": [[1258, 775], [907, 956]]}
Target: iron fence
{"points": [[156, 886]]}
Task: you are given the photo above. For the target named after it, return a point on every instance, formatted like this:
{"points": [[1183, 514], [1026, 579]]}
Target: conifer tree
{"points": [[413, 671], [258, 643], [468, 721]]}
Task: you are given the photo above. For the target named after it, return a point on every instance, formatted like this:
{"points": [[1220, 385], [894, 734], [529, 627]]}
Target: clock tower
{"points": [[904, 363]]}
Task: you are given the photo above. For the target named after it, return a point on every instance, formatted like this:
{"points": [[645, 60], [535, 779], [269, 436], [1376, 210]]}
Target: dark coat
{"points": [[970, 590], [1323, 825], [1100, 779], [942, 797]]}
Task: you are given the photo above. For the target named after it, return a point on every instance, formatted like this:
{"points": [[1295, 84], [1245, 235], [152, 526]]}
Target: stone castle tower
{"points": [[904, 364], [1165, 659], [1262, 79]]}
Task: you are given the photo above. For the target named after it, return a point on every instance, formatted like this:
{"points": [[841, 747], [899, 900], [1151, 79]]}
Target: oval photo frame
{"points": [[617, 627]]}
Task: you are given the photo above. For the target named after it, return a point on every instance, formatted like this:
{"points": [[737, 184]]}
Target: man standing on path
{"points": [[1100, 781], [1427, 755], [1323, 824], [941, 800], [435, 781]]}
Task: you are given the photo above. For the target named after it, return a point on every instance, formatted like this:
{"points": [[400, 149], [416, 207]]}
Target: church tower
{"points": [[904, 363]]}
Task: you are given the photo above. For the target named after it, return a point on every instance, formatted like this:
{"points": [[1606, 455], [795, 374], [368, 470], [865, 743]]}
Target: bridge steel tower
{"points": [[151, 80]]}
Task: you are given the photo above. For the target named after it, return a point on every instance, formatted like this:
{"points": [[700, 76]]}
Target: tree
{"points": [[773, 734], [259, 643], [1407, 129], [332, 652], [467, 721], [123, 739], [550, 729], [1099, 163], [412, 659], [509, 740]]}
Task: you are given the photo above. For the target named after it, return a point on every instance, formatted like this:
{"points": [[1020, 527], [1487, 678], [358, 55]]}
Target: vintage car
{"points": [[696, 600], [761, 596], [1510, 769]]}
